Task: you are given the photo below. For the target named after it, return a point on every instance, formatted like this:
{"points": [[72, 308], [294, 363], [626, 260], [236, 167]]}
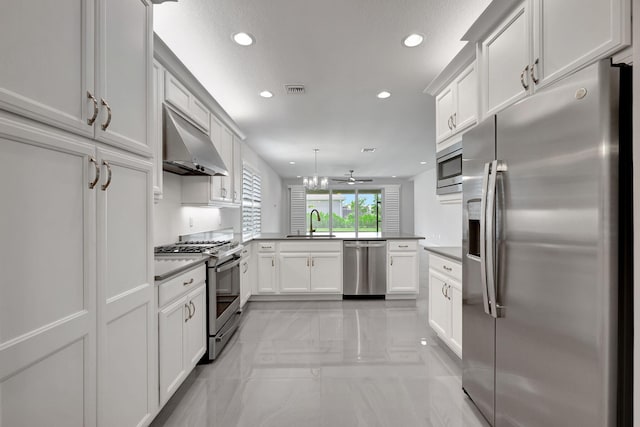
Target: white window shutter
{"points": [[298, 209], [391, 209]]}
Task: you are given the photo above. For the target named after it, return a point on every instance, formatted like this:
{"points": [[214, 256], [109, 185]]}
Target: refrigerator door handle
{"points": [[490, 239], [483, 238]]}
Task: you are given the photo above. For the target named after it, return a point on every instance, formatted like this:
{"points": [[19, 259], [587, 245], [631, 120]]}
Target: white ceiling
{"points": [[344, 52]]}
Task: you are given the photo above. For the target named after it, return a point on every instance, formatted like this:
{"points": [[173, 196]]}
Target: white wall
{"points": [[440, 224], [171, 219]]}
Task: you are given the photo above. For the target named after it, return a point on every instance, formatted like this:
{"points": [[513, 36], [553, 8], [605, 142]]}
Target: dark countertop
{"points": [[166, 268], [339, 237], [453, 252]]}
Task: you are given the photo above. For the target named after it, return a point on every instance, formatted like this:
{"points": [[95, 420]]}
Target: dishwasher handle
{"points": [[358, 245]]}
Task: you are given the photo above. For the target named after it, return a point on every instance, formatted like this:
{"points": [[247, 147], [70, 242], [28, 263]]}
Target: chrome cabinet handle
{"points": [[194, 309], [273, 262], [187, 283], [246, 267], [449, 123], [93, 183], [447, 268], [188, 313], [93, 118], [235, 195], [224, 193], [403, 246], [453, 120], [391, 260], [533, 67], [444, 285], [106, 124], [108, 183], [307, 261], [313, 262], [448, 297], [522, 76]]}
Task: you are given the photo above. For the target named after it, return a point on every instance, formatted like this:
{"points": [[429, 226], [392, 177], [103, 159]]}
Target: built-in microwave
{"points": [[449, 170]]}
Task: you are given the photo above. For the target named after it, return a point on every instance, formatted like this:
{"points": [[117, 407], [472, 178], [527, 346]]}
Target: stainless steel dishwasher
{"points": [[365, 267]]}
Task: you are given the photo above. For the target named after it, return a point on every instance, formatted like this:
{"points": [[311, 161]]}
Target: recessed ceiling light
{"points": [[384, 94], [243, 39], [299, 176], [413, 40], [393, 176], [266, 94], [423, 163], [292, 163]]}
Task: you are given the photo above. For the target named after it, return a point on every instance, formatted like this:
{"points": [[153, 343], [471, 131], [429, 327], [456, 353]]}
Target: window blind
{"points": [[297, 209], [251, 202]]}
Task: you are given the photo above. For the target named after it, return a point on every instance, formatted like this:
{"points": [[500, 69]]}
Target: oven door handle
{"points": [[228, 266]]}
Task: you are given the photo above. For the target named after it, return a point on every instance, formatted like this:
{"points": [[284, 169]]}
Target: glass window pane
{"points": [[344, 211], [320, 201], [369, 212]]}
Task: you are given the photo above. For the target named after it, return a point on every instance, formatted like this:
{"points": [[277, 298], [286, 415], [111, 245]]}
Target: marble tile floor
{"points": [[343, 363]]}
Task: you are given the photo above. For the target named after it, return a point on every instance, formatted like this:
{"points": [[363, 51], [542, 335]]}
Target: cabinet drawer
{"points": [[246, 252], [181, 284], [446, 266], [403, 245], [266, 246], [311, 246]]}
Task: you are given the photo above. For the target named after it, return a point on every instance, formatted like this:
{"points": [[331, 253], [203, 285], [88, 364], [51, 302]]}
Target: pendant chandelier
{"points": [[313, 182]]}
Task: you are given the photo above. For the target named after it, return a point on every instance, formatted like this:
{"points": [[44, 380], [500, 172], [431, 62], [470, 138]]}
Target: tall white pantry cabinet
{"points": [[78, 334]]}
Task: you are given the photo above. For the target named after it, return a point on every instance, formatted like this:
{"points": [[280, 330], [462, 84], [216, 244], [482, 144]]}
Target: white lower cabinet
{"points": [[182, 330], [445, 301], [266, 280], [402, 267], [310, 272], [246, 274]]}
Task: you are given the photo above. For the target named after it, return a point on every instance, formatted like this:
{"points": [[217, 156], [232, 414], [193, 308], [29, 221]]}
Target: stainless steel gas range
{"points": [[223, 281]]}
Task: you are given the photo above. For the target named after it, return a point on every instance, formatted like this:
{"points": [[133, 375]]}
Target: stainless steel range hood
{"points": [[187, 150]]}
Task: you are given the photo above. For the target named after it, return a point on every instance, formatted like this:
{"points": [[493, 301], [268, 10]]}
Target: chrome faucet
{"points": [[311, 229]]}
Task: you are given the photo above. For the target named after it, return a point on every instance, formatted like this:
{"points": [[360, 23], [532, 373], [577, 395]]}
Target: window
{"points": [[251, 202], [352, 211]]}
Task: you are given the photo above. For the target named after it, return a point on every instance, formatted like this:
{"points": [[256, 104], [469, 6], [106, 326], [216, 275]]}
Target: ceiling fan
{"points": [[351, 179]]}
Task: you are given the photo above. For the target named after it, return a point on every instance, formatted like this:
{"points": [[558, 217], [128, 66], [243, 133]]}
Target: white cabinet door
{"points": [[439, 306], [266, 280], [123, 74], [215, 134], [455, 299], [403, 272], [48, 76], [171, 345], [156, 135], [227, 157], [505, 62], [444, 113], [237, 170], [326, 272], [48, 297], [127, 356], [196, 344], [245, 281], [294, 272], [571, 33], [466, 99]]}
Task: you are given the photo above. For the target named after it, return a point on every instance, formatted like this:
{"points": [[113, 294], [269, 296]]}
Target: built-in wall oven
{"points": [[449, 170]]}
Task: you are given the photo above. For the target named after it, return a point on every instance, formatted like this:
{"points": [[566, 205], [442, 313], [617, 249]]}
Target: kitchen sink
{"points": [[309, 236]]}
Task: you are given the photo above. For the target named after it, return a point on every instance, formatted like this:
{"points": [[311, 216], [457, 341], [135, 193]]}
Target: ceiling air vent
{"points": [[294, 89], [368, 150]]}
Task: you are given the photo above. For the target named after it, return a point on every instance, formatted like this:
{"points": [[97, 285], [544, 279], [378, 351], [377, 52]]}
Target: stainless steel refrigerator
{"points": [[541, 256]]}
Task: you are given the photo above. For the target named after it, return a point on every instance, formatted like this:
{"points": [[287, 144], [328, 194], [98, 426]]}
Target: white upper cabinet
{"points": [[505, 61], [542, 41], [237, 171], [457, 105], [156, 135], [82, 66], [570, 33], [226, 152], [180, 98]]}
